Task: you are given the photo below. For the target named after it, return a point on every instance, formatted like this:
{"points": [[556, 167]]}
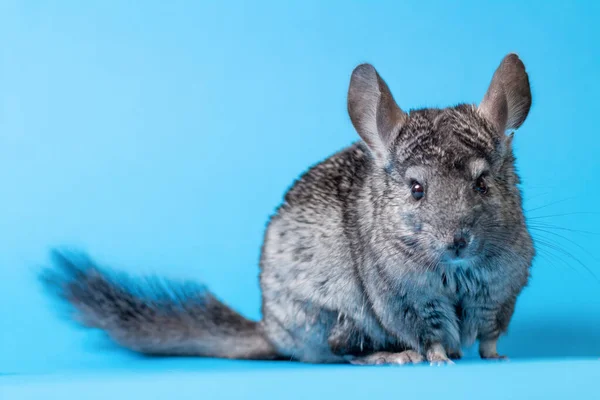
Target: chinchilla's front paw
{"points": [[436, 355], [385, 358], [487, 350]]}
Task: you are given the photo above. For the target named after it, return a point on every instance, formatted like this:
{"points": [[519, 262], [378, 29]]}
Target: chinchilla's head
{"points": [[445, 181]]}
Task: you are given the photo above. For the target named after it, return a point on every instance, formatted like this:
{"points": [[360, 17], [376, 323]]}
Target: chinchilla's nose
{"points": [[459, 244]]}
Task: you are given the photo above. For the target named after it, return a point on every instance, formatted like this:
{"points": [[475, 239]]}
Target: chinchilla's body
{"points": [[407, 245]]}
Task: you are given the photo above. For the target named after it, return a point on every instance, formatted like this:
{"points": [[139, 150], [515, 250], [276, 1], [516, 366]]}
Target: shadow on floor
{"points": [[543, 339]]}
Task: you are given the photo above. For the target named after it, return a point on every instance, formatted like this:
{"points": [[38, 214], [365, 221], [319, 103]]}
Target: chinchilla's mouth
{"points": [[458, 262], [465, 261]]}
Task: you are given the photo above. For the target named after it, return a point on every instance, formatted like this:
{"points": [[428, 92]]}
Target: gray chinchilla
{"points": [[405, 246]]}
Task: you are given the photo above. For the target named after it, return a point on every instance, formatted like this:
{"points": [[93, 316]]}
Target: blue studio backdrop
{"points": [[160, 136]]}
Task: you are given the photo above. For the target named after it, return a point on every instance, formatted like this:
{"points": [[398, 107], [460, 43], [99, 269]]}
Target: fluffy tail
{"points": [[152, 316]]}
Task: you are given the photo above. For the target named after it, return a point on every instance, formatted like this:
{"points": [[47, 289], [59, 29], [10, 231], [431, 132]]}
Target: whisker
{"points": [[550, 226], [567, 239], [552, 258], [550, 245], [550, 204], [565, 214], [535, 196]]}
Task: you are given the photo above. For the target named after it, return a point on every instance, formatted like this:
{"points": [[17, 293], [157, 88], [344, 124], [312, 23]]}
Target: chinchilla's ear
{"points": [[508, 99], [373, 111]]}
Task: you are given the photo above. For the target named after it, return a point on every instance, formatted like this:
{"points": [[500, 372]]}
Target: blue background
{"points": [[159, 136]]}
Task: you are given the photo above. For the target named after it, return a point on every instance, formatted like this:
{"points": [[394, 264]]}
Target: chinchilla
{"points": [[407, 245]]}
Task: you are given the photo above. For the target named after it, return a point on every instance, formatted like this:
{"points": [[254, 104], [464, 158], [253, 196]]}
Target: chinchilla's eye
{"points": [[480, 185], [417, 190]]}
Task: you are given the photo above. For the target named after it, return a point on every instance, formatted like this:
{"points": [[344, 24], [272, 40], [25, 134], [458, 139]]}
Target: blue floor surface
{"points": [[214, 379]]}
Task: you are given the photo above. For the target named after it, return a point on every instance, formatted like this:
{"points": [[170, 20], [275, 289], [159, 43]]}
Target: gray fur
{"points": [[154, 317], [353, 269]]}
